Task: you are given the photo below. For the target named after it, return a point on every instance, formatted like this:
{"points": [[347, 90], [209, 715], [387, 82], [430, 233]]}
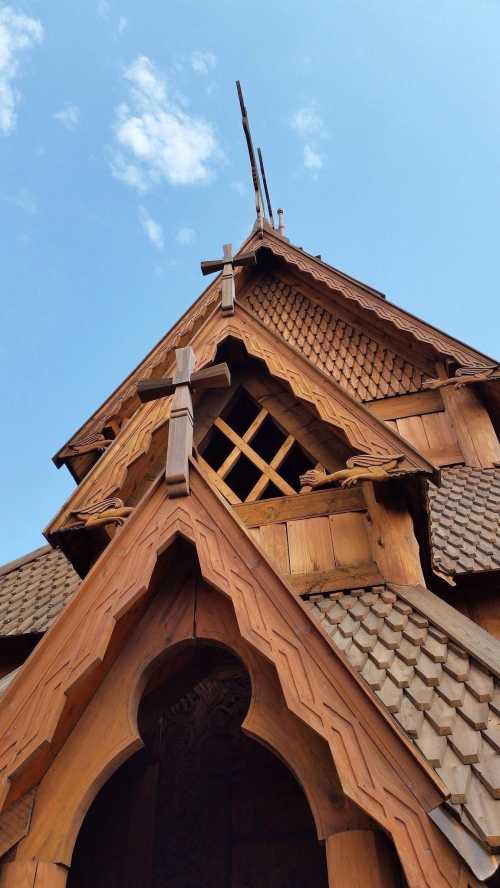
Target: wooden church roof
{"points": [[368, 379]]}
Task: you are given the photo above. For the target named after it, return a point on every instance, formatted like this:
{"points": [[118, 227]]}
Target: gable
{"points": [[376, 766], [139, 449]]}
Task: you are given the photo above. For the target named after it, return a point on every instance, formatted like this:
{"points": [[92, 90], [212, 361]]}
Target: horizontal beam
{"points": [[304, 505], [336, 580]]}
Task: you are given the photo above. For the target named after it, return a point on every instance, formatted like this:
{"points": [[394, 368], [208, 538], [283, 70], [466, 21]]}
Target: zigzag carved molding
{"points": [[375, 766], [363, 431]]}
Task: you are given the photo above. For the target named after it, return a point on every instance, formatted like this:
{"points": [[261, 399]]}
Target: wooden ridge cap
{"points": [[370, 299]]}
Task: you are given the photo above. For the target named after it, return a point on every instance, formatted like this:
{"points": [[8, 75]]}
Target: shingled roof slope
{"points": [[367, 369], [33, 590], [465, 520], [444, 699]]}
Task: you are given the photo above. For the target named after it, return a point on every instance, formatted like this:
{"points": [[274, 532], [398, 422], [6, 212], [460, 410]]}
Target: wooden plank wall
{"points": [[319, 549], [421, 420]]}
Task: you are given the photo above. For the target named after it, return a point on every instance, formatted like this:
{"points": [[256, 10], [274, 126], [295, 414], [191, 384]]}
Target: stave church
{"points": [[261, 648]]}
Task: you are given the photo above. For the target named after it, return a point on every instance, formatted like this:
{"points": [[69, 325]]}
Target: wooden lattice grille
{"points": [[249, 456]]}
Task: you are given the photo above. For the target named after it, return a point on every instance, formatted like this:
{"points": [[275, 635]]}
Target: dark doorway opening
{"points": [[202, 805]]}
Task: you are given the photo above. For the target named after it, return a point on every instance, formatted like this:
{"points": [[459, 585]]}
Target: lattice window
{"points": [[249, 456]]}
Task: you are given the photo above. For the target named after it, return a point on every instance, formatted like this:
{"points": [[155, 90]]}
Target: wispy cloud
{"points": [[185, 236], [18, 33], [122, 25], [203, 62], [155, 139], [103, 9], [239, 187], [308, 124], [69, 116], [24, 199], [152, 229], [312, 160]]}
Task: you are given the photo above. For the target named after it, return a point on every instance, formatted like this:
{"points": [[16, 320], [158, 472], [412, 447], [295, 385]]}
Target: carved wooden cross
{"points": [[227, 266], [180, 431]]}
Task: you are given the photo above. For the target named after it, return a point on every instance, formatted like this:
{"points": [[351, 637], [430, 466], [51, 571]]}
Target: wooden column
{"points": [[361, 858], [474, 429], [394, 544], [32, 874]]}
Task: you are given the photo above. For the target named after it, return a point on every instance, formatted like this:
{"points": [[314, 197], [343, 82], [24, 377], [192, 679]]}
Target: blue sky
{"points": [[122, 164]]}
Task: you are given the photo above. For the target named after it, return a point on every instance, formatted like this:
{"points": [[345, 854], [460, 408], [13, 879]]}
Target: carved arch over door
{"points": [[377, 769]]}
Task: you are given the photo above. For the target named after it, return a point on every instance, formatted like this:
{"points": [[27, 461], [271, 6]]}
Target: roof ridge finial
{"points": [[259, 203]]}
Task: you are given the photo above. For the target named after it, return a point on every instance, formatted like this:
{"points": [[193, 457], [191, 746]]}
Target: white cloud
{"points": [[122, 25], [307, 122], [203, 62], [312, 160], [24, 199], [103, 9], [18, 32], [69, 116], [152, 229], [186, 236], [155, 139]]}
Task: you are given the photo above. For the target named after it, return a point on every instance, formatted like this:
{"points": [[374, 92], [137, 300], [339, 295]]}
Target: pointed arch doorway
{"points": [[203, 804]]}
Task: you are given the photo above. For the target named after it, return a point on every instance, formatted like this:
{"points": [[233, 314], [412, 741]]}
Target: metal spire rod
{"points": [[259, 203], [266, 190]]}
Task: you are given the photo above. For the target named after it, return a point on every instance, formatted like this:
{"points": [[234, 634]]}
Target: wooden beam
{"points": [[336, 580], [306, 505], [254, 457], [407, 405]]}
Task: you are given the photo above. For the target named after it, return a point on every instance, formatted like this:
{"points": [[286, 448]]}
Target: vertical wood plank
{"points": [[474, 429], [351, 545], [274, 541], [411, 428], [440, 431], [361, 858], [310, 545]]}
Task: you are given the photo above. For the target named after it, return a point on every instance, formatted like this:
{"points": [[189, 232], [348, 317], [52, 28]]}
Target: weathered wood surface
{"points": [[407, 405], [307, 505], [376, 766], [336, 580]]}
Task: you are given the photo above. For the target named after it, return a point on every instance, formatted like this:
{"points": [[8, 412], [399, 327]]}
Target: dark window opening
{"points": [[268, 440], [294, 465], [242, 477], [271, 491], [241, 412], [217, 449]]}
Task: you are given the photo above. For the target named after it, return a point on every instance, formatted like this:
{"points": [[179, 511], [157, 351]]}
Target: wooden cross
{"points": [[180, 431], [227, 266]]}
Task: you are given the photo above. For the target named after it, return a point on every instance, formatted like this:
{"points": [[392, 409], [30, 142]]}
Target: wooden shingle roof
{"points": [[464, 522], [33, 590], [444, 694]]}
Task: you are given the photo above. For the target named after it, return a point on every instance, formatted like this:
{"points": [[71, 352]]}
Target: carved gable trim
{"points": [[363, 431], [377, 767]]}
